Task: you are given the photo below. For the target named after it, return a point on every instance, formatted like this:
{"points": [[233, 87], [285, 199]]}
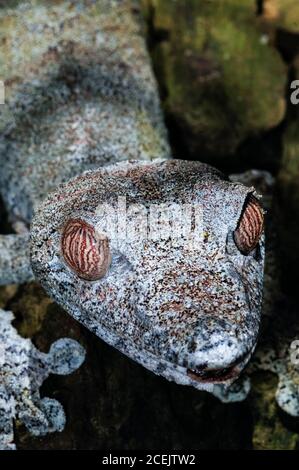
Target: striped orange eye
{"points": [[250, 226], [85, 251]]}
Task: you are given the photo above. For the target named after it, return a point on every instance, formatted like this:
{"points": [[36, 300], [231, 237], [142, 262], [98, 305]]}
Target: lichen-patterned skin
{"points": [[80, 93], [23, 369], [174, 309]]}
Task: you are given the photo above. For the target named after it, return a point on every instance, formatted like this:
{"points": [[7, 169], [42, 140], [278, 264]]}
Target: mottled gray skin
{"points": [[79, 93], [84, 97], [170, 308], [22, 371]]}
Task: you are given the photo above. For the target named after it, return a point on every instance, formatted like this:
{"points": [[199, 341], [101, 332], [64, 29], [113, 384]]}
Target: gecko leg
{"points": [[282, 363], [46, 415], [23, 369], [6, 420], [238, 391], [287, 394], [14, 259], [41, 416]]}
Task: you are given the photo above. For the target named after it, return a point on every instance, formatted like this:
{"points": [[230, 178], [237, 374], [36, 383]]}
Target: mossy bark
{"points": [[220, 81]]}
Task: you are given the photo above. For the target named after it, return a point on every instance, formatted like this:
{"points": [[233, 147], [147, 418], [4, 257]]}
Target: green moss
{"points": [[29, 305], [269, 431], [221, 82], [283, 14]]}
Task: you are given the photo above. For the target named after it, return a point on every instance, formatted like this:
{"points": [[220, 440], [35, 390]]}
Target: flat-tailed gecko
{"points": [[81, 103]]}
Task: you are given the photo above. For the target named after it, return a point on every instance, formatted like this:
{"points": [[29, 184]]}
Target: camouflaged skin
{"points": [[171, 307], [79, 94], [14, 259], [23, 369]]}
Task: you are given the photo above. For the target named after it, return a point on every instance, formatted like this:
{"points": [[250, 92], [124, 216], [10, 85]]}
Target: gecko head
{"points": [[163, 260]]}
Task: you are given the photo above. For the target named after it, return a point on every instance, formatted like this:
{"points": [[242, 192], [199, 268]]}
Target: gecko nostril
{"points": [[84, 250]]}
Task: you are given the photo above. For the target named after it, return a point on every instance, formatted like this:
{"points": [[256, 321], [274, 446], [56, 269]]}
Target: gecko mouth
{"points": [[213, 375], [219, 375]]}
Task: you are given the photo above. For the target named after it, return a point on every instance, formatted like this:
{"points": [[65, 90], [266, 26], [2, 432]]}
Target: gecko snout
{"points": [[221, 358]]}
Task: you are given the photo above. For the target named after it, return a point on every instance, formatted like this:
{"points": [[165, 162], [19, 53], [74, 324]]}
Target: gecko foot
{"points": [[238, 391], [65, 355], [23, 368], [46, 417]]}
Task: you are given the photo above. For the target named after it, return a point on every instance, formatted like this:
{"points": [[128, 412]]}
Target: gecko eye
{"points": [[84, 250], [250, 226]]}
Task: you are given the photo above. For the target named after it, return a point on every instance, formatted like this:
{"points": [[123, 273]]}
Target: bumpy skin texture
{"points": [[174, 309], [23, 369]]}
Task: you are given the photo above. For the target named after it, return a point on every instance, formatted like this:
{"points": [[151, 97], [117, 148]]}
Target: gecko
{"points": [[81, 128]]}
